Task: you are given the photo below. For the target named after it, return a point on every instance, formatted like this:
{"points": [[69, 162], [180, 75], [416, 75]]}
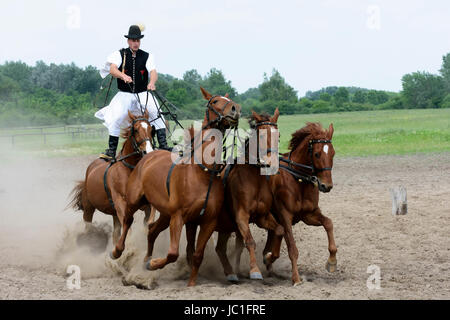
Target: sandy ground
{"points": [[38, 240]]}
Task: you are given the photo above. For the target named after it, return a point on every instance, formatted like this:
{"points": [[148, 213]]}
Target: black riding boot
{"points": [[110, 153], [162, 143]]}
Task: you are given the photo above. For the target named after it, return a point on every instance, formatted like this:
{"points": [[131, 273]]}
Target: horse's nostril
{"points": [[233, 109]]}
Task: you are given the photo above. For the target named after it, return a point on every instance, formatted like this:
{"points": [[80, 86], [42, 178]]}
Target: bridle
{"points": [[135, 144], [220, 115], [301, 175], [257, 125]]}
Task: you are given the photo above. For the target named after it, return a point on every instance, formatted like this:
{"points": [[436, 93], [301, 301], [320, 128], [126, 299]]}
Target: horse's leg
{"points": [[154, 229], [150, 213], [176, 226], [242, 219], [273, 245], [206, 230], [125, 215], [191, 231], [238, 248], [286, 222], [221, 250], [116, 232], [316, 218], [88, 214]]}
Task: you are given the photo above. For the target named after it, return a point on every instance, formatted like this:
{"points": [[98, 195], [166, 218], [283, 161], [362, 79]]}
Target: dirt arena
{"points": [[38, 239]]}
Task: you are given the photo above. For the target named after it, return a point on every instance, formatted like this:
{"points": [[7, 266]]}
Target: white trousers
{"points": [[115, 115]]}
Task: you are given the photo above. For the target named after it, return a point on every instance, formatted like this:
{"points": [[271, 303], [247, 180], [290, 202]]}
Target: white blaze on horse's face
{"points": [[325, 149], [148, 145]]}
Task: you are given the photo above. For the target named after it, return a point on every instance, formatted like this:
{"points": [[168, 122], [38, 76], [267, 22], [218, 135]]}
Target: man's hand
{"points": [[126, 78], [151, 87]]}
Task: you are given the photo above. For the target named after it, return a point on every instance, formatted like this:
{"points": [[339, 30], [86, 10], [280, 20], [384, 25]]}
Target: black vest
{"points": [[135, 68]]}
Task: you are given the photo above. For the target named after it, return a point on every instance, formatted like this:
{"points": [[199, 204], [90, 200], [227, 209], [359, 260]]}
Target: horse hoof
{"points": [[256, 276], [331, 267], [233, 278], [111, 255], [148, 265], [266, 258], [296, 283]]}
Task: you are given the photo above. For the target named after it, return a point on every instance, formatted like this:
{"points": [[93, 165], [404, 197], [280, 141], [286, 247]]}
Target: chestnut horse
{"points": [[304, 171], [91, 194], [248, 199], [182, 193]]}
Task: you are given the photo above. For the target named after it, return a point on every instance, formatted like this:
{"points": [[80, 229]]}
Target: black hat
{"points": [[134, 33]]}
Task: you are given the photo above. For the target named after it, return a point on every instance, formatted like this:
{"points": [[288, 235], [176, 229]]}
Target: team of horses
{"points": [[214, 196]]}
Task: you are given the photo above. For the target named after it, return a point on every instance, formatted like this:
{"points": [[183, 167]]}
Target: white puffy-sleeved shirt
{"points": [[116, 58]]}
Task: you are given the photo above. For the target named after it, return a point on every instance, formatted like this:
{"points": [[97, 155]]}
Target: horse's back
{"points": [[95, 189]]}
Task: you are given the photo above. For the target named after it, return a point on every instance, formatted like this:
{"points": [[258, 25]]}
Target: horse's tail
{"points": [[76, 195]]}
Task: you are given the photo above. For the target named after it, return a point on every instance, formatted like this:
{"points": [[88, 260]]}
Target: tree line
{"points": [[67, 94]]}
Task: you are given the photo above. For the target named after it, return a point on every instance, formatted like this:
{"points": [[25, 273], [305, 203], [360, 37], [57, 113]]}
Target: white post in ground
{"points": [[399, 202]]}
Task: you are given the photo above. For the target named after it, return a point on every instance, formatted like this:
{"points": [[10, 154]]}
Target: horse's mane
{"points": [[311, 128], [252, 120], [126, 132]]}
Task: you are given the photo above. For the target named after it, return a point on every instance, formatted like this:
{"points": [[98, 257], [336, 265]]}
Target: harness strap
{"points": [[105, 185], [129, 166], [168, 177], [300, 176], [227, 173], [211, 178]]}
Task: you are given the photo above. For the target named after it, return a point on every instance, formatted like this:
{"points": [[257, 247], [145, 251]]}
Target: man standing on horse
{"points": [[136, 75]]}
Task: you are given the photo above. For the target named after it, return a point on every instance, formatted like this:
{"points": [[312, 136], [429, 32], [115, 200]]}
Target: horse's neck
{"points": [[300, 154], [128, 149]]}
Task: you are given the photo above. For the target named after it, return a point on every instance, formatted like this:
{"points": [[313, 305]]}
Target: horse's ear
{"points": [[131, 115], [275, 116], [206, 94], [256, 116], [226, 95], [146, 114], [330, 131]]}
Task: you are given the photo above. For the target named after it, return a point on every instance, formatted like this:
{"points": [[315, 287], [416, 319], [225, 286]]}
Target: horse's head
{"points": [[266, 126], [313, 144], [221, 111], [322, 153], [141, 133]]}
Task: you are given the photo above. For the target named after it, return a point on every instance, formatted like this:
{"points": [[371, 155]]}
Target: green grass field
{"points": [[365, 133]]}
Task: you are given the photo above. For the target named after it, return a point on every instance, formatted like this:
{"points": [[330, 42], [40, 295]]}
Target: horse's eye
{"points": [[214, 102], [317, 155]]}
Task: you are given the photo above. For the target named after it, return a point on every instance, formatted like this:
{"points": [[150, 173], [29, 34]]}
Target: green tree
{"points": [[445, 71], [423, 90], [341, 96], [216, 83], [275, 88], [359, 97], [325, 96]]}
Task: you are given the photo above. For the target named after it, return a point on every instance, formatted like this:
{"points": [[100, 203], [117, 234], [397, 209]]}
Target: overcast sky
{"points": [[313, 44]]}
